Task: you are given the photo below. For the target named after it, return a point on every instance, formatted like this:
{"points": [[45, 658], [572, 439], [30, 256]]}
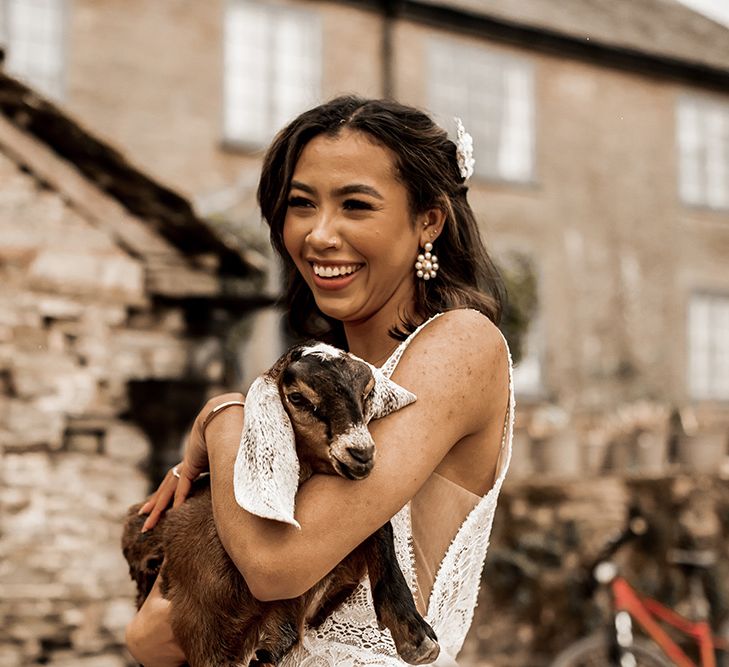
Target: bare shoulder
{"points": [[465, 340], [460, 356]]}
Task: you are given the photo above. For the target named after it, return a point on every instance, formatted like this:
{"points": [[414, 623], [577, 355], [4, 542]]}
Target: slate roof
{"points": [[169, 214], [664, 28]]}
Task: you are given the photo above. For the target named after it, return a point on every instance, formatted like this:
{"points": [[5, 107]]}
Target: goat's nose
{"points": [[360, 454]]}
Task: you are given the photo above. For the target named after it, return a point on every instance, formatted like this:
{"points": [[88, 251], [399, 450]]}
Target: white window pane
{"points": [[515, 148], [273, 64], [717, 171], [527, 375], [703, 145], [246, 71], [709, 346], [34, 34], [689, 140], [296, 84], [3, 23], [493, 95]]}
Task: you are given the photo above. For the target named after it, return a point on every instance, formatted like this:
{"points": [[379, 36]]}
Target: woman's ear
{"points": [[431, 225]]}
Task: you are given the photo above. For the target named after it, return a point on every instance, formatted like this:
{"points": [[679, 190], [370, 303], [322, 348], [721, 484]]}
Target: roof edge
{"points": [[549, 41], [164, 210]]}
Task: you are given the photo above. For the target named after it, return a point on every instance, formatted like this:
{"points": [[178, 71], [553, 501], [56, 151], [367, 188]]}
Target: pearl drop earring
{"points": [[427, 265]]}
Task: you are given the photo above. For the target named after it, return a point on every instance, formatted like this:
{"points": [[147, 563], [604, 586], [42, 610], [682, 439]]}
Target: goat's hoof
{"points": [[422, 654], [420, 645]]}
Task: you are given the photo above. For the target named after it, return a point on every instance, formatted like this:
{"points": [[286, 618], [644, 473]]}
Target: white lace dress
{"points": [[350, 637]]}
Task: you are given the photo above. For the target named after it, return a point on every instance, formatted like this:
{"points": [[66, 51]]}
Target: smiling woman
{"points": [[354, 191], [349, 230]]}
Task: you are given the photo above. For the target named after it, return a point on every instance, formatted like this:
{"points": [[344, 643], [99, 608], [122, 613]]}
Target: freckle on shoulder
{"points": [[473, 333], [471, 326]]}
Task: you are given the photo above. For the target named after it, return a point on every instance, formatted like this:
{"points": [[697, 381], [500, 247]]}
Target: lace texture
{"points": [[350, 637], [266, 473]]}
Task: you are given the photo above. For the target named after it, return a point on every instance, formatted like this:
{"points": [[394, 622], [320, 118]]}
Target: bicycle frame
{"points": [[646, 610]]}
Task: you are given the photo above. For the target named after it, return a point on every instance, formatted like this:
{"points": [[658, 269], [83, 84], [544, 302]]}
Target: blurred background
{"points": [[136, 278]]}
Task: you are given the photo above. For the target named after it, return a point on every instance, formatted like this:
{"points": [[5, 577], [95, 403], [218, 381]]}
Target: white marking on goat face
{"points": [[355, 450], [323, 350]]}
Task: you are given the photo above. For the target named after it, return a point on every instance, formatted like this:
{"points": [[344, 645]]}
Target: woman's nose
{"points": [[323, 234]]}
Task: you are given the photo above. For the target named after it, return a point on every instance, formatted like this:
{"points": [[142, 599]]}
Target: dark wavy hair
{"points": [[425, 163]]}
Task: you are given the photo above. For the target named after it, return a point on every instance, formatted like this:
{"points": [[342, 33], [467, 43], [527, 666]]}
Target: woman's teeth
{"points": [[334, 271]]}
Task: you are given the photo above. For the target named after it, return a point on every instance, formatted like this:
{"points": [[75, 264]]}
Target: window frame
{"points": [[250, 145], [63, 48], [711, 394], [703, 104], [461, 51], [534, 339]]}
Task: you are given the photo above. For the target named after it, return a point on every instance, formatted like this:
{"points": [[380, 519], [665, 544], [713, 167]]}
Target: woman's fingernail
{"points": [[141, 509]]}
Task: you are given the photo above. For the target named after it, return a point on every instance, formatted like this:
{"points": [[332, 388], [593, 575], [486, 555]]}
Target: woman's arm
{"points": [[149, 636], [457, 367]]}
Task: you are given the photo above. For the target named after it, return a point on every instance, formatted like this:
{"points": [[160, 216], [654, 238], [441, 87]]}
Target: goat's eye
{"points": [[297, 399]]}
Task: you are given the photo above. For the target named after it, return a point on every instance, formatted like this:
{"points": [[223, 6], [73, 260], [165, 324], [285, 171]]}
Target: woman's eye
{"points": [[299, 202], [357, 205]]}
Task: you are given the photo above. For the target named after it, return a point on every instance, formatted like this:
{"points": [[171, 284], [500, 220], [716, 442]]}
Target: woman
{"points": [[354, 191]]}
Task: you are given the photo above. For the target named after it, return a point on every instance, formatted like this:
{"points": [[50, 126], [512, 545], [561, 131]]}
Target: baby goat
{"points": [[327, 397]]}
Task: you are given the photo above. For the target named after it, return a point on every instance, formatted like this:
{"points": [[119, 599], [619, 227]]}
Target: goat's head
{"points": [[315, 402], [326, 392]]}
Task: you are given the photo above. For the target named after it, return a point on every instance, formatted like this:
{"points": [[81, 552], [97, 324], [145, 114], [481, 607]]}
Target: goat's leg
{"points": [[279, 630], [415, 640], [332, 602]]}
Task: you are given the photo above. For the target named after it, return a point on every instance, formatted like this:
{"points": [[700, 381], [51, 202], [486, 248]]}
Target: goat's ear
{"points": [[266, 474], [387, 396]]}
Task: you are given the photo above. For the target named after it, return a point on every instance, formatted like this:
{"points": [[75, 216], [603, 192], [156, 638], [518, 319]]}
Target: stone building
{"points": [[602, 166], [120, 312], [603, 171]]}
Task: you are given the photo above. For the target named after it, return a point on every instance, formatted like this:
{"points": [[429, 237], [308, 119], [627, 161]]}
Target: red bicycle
{"points": [[616, 645]]}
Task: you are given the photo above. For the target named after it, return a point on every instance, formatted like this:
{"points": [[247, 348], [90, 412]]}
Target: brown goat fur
{"points": [[214, 617]]}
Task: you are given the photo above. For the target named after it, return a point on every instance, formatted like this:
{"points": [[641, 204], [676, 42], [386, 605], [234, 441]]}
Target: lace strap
{"points": [[388, 368], [455, 588], [508, 431]]}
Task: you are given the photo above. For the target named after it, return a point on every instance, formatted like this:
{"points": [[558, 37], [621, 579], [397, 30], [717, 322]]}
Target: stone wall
{"points": [[84, 351], [532, 602]]}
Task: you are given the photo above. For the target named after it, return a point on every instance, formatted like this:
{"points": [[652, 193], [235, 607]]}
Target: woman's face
{"points": [[349, 229]]}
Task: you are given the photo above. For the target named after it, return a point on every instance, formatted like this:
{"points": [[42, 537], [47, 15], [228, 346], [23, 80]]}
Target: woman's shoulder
{"points": [[467, 347], [464, 334]]}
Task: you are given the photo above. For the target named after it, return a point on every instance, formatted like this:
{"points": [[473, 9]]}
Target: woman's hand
{"points": [[149, 635], [178, 481]]}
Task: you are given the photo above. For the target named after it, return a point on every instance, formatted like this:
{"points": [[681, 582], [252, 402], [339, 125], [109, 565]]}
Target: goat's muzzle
{"points": [[353, 453]]}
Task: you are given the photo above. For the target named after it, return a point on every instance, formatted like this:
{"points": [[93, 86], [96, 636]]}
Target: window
{"points": [[528, 372], [523, 323], [272, 68], [33, 33], [708, 323], [493, 95], [703, 144]]}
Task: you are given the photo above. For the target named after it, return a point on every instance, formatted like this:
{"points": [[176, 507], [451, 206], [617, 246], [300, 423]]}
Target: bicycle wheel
{"points": [[593, 651]]}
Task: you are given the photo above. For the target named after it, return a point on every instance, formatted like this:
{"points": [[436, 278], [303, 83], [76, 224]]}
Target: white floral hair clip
{"points": [[464, 152]]}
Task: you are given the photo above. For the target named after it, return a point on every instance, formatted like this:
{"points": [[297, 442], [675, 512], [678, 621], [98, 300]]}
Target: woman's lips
{"points": [[324, 278]]}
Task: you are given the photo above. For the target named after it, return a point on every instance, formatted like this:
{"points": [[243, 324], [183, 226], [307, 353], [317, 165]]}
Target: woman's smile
{"points": [[333, 276], [349, 228]]}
